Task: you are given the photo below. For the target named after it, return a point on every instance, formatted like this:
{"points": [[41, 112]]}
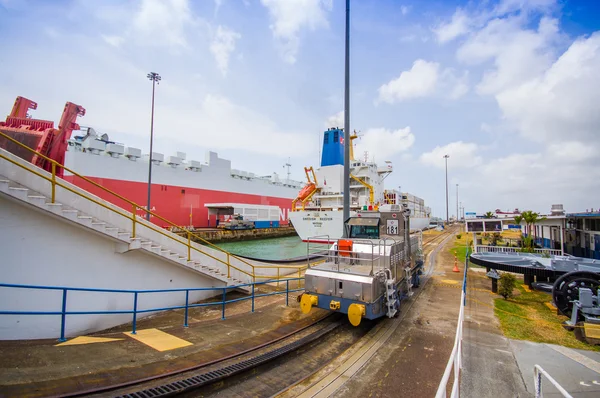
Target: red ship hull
{"points": [[174, 203]]}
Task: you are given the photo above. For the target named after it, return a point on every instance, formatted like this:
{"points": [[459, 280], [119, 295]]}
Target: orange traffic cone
{"points": [[455, 269]]}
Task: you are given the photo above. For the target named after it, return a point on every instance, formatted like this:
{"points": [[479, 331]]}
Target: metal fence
{"points": [[63, 312], [504, 249], [455, 360]]}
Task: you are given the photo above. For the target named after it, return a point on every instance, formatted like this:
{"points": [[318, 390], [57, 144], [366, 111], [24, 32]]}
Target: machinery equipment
{"points": [[576, 296], [368, 274], [39, 135], [237, 222]]}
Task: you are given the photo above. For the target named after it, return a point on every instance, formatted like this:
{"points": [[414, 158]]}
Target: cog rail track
{"points": [[202, 378]]}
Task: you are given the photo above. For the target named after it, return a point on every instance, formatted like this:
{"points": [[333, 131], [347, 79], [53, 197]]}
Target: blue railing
{"points": [[135, 311]]}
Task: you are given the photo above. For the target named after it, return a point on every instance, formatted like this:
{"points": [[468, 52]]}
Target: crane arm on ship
{"points": [[368, 186], [21, 106], [68, 123]]}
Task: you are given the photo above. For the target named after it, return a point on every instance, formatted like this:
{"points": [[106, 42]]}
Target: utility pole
{"points": [[155, 77], [446, 159], [457, 216], [347, 140]]}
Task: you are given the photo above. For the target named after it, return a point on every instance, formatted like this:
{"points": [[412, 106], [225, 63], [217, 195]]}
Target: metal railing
{"points": [[455, 360], [505, 249], [364, 253], [135, 220], [537, 382], [63, 312]]}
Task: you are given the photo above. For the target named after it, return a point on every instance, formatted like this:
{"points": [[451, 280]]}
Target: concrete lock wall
{"points": [[40, 249]]}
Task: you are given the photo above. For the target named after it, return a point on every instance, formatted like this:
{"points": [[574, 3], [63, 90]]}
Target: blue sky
{"points": [[508, 88]]}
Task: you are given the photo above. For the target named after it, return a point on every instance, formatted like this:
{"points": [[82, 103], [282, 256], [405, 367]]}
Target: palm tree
{"points": [[531, 218], [489, 214], [518, 220]]}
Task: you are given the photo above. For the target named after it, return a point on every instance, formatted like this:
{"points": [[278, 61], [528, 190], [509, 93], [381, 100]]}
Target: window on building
{"points": [[335, 136], [326, 139]]}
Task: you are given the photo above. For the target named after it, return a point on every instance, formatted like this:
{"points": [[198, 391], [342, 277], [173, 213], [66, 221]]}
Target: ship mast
{"points": [[347, 140]]}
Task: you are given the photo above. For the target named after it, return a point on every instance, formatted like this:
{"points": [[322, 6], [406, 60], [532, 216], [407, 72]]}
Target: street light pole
{"points": [[155, 77], [347, 140], [446, 159], [457, 217]]}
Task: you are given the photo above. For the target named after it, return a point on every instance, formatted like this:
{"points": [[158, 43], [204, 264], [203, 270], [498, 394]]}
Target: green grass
{"points": [[526, 317], [460, 247]]}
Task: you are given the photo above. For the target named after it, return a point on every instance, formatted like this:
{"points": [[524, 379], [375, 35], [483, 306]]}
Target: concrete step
{"points": [[85, 220], [124, 235], [70, 214], [20, 193], [37, 200], [54, 207]]}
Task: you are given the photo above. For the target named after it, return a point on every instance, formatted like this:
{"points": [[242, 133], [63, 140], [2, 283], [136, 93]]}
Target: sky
{"points": [[509, 89]]}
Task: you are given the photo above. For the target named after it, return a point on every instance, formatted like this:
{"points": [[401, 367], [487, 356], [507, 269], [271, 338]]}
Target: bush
{"points": [[507, 283], [458, 236]]}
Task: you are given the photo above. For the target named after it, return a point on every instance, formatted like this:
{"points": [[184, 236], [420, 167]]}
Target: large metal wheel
{"points": [[566, 289]]}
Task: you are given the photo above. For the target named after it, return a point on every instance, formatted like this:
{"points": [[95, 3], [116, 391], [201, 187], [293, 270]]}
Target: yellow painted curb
{"points": [[158, 339], [86, 340]]}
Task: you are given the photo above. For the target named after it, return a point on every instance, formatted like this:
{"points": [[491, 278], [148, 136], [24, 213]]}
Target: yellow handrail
{"points": [[54, 182], [370, 187]]}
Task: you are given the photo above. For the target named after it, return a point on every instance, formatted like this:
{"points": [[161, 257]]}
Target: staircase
{"points": [[121, 235], [390, 295]]}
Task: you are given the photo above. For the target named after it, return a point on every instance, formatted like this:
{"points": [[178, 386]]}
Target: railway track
{"points": [[265, 370]]}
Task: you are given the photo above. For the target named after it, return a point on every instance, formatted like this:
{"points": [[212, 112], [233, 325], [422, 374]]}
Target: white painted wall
{"points": [[39, 249], [37, 184]]}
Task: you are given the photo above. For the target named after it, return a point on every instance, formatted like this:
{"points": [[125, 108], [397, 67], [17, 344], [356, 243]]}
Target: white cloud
{"points": [[218, 4], [238, 127], [163, 22], [336, 120], [423, 80], [222, 45], [572, 151], [419, 81], [290, 16], [536, 180], [518, 54], [462, 155], [114, 41], [405, 9], [382, 143], [455, 86], [464, 21], [458, 26], [561, 103]]}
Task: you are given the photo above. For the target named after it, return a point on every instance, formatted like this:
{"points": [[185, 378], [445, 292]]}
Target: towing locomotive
{"points": [[369, 273]]}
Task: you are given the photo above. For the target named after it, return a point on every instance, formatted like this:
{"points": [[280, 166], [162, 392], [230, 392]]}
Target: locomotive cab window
{"points": [[364, 232], [363, 228]]}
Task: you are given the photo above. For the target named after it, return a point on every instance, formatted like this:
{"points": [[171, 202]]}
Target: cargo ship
{"points": [[182, 190], [317, 211]]}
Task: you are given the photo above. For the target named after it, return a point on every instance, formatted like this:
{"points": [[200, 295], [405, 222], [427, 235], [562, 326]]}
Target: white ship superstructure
{"points": [[317, 212]]}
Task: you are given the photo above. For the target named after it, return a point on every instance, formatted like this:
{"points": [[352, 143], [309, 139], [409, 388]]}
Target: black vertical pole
{"points": [[346, 213]]}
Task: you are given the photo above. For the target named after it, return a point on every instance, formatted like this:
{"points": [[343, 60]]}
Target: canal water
{"points": [[269, 249]]}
